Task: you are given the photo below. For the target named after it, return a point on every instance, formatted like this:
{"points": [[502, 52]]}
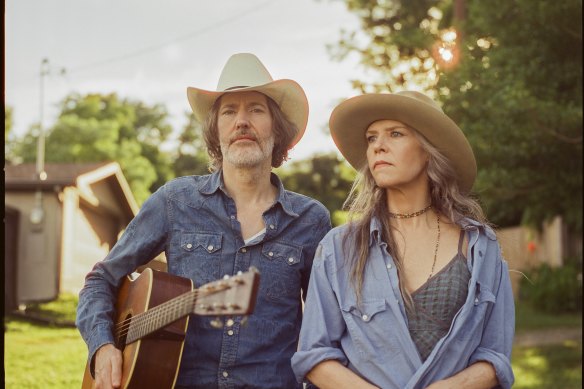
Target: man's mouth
{"points": [[243, 138]]}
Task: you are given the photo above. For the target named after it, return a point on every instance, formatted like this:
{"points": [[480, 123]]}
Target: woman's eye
{"points": [[371, 139], [396, 134], [257, 110]]}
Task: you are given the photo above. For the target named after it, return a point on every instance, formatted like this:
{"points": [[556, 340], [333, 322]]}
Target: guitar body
{"points": [[153, 361]]}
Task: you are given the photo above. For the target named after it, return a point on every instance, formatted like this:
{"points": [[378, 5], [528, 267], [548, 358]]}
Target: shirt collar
{"points": [[215, 182]]}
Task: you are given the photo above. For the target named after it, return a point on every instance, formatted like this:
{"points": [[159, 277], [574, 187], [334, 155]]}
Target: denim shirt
{"points": [[194, 222], [372, 339]]}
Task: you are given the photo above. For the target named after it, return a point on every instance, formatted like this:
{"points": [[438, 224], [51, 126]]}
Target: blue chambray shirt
{"points": [[373, 339], [194, 222]]}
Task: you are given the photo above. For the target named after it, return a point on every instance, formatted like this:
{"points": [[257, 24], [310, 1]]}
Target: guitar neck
{"points": [[158, 317]]}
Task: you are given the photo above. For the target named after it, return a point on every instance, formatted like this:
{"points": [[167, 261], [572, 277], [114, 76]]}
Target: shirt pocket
{"points": [[482, 301], [280, 267], [368, 328], [200, 257]]}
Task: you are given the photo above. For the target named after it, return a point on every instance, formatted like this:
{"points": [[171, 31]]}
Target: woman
{"points": [[413, 291]]}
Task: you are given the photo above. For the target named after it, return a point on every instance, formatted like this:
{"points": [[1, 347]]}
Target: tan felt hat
{"points": [[350, 119], [244, 72]]}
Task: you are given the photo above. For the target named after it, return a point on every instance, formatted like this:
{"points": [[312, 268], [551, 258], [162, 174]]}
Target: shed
{"points": [[85, 209]]}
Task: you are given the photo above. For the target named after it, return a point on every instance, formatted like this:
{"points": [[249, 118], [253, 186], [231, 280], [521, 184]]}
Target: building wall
{"points": [[90, 234], [524, 248], [38, 249]]}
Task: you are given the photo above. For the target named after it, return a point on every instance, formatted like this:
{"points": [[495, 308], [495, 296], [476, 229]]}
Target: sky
{"points": [[152, 50]]}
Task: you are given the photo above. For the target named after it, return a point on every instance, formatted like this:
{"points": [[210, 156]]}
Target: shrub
{"points": [[554, 290]]}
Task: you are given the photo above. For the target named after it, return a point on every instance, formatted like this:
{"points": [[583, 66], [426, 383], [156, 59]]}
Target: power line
{"points": [[159, 46]]}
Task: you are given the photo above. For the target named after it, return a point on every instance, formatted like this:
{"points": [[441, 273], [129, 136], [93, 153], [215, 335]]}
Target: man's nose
{"points": [[242, 119]]}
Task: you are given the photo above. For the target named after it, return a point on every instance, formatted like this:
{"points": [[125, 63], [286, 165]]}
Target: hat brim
{"points": [[288, 94], [350, 119]]}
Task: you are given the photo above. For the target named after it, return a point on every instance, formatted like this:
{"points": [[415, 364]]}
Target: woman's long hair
{"points": [[366, 200]]}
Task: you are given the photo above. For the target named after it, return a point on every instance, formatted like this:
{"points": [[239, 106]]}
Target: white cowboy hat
{"points": [[350, 119], [244, 73]]}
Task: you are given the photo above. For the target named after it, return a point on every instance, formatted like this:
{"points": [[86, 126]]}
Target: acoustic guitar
{"points": [[152, 317]]}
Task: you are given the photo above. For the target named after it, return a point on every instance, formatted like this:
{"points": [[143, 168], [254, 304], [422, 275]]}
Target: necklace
{"points": [[409, 215], [437, 243]]}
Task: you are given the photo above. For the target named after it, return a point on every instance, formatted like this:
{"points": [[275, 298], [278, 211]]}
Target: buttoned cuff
{"points": [[304, 361], [500, 362], [100, 336]]}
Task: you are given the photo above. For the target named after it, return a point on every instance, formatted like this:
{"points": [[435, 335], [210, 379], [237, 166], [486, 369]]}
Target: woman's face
{"points": [[395, 156]]}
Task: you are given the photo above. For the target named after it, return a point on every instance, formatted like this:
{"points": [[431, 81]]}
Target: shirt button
{"points": [[244, 250], [476, 300], [230, 322], [230, 332], [189, 246], [225, 374], [272, 227], [232, 217], [291, 260], [271, 254], [389, 266], [210, 247], [365, 318]]}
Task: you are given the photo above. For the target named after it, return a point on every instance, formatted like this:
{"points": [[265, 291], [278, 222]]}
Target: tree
{"points": [[192, 157], [95, 128], [516, 92], [323, 177]]}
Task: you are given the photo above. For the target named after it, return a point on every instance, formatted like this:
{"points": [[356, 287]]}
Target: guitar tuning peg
{"points": [[239, 273], [216, 323], [226, 277], [243, 321]]}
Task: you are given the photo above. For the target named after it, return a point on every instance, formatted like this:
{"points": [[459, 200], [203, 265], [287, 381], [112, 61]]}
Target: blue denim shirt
{"points": [[194, 222], [373, 340]]}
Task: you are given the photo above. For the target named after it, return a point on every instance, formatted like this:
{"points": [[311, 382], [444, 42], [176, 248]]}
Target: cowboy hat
{"points": [[350, 119], [245, 73]]}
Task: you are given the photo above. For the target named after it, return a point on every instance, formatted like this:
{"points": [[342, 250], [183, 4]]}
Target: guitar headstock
{"points": [[230, 296]]}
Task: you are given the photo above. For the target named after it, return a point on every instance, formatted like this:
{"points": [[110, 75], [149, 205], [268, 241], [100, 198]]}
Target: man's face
{"points": [[244, 123]]}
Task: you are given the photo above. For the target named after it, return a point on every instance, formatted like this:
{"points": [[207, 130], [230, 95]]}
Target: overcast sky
{"points": [[152, 50]]}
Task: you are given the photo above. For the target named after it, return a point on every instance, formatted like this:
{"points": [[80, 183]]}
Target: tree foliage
{"points": [[516, 91], [323, 177], [95, 128], [191, 154]]}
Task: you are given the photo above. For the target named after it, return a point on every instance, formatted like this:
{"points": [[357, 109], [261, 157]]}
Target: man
{"points": [[222, 223]]}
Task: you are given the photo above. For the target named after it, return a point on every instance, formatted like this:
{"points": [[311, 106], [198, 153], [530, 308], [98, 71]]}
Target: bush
{"points": [[554, 290]]}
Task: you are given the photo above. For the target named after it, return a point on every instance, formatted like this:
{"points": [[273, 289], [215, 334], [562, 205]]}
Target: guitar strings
{"points": [[144, 323]]}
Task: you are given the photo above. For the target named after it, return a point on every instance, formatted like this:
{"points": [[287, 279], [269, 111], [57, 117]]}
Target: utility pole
{"points": [[37, 214]]}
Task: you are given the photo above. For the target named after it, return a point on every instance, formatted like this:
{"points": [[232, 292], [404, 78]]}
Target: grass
{"points": [[47, 357], [52, 357], [557, 366], [529, 319]]}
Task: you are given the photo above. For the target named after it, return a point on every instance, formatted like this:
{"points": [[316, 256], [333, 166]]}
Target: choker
{"points": [[409, 215]]}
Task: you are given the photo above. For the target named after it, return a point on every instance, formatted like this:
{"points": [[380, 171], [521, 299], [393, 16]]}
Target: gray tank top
{"points": [[437, 301]]}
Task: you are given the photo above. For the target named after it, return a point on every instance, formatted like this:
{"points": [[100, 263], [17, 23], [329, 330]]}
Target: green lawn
{"points": [[40, 356]]}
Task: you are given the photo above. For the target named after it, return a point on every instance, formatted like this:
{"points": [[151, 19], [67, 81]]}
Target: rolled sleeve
{"points": [[322, 325], [497, 338]]}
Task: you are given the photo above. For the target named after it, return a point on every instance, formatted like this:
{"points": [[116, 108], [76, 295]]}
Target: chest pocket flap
{"points": [[209, 241], [282, 252], [367, 309]]}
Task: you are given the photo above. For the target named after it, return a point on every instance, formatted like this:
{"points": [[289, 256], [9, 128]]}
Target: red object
{"points": [[531, 246]]}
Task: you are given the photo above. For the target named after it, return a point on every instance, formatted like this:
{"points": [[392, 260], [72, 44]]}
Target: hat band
{"points": [[235, 87]]}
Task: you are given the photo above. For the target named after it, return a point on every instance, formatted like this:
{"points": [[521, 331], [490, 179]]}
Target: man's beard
{"points": [[247, 155]]}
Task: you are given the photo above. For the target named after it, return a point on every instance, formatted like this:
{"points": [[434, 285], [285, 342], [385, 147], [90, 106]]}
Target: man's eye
{"points": [[227, 112]]}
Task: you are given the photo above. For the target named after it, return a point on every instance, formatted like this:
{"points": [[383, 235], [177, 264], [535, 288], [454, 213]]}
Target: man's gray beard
{"points": [[243, 158]]}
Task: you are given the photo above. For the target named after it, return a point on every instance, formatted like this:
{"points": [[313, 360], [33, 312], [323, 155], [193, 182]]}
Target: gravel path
{"points": [[547, 337]]}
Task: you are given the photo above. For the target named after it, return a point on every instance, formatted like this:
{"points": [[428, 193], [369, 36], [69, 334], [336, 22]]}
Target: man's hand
{"points": [[108, 367]]}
